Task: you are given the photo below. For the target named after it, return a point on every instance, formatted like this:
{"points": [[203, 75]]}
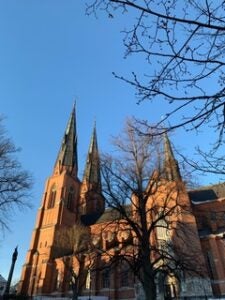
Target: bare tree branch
{"points": [[181, 44], [15, 183]]}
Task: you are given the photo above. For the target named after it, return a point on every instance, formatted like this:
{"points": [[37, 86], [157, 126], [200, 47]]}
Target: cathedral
{"points": [[73, 214]]}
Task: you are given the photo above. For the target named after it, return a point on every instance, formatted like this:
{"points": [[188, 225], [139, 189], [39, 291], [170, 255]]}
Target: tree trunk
{"points": [[149, 288], [75, 294], [148, 282]]}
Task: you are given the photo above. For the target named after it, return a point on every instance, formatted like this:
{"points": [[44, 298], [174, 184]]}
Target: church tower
{"points": [[59, 208], [182, 236], [92, 202]]}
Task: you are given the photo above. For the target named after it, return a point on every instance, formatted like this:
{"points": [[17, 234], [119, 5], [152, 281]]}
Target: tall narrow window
{"points": [[163, 234], [70, 199], [105, 279], [52, 196], [124, 278], [210, 264]]}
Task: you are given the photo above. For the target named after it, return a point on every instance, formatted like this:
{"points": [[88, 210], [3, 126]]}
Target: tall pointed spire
{"points": [[171, 168], [92, 169], [67, 156]]}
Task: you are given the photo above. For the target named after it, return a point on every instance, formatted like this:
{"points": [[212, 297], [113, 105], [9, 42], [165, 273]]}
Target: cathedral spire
{"points": [[67, 156], [171, 168], [92, 169]]}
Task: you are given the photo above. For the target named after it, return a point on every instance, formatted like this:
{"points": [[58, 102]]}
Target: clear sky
{"points": [[51, 53]]}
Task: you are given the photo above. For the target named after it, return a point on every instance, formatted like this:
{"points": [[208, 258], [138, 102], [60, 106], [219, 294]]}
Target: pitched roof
{"points": [[2, 279], [207, 193], [112, 214]]}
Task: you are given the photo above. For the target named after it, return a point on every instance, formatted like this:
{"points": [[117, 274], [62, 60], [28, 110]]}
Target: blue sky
{"points": [[51, 53]]}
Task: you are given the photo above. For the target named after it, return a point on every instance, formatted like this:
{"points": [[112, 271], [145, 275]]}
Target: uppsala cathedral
{"points": [[69, 203]]}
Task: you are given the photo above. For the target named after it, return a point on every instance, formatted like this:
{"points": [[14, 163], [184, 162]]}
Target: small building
{"points": [[3, 282]]}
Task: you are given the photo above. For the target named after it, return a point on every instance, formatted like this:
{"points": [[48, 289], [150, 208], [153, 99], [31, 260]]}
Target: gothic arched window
{"points": [[162, 233], [70, 199], [52, 196]]}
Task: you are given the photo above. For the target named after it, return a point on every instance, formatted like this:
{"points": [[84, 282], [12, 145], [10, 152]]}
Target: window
{"points": [[105, 279], [124, 278], [52, 197], [70, 199], [210, 264], [162, 231], [58, 280], [171, 287], [88, 280]]}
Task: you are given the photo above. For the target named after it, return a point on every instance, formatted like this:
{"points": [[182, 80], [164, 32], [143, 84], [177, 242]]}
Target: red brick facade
{"points": [[67, 201], [209, 211]]}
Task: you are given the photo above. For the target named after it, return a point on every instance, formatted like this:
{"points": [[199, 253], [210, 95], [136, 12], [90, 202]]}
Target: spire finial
{"points": [[74, 104]]}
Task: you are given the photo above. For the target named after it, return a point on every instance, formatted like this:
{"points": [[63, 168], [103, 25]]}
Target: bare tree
{"points": [[153, 218], [181, 45], [73, 244], [15, 183]]}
